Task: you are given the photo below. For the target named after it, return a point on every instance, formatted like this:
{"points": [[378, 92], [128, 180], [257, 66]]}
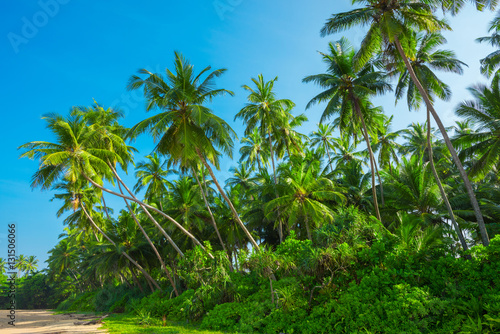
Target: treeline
{"points": [[368, 230]]}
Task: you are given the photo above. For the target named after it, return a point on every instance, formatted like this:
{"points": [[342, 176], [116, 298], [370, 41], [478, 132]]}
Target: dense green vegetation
{"points": [[364, 230]]}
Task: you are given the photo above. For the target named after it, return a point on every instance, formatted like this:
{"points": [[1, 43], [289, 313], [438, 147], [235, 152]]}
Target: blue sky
{"points": [[56, 54]]}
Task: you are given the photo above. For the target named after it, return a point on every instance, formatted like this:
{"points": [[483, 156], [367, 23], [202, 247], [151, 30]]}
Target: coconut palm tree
{"points": [[390, 23], [304, 193], [490, 64], [386, 144], [481, 145], [254, 150], [345, 152], [153, 174], [188, 131], [31, 264], [267, 113], [346, 91], [323, 138]]}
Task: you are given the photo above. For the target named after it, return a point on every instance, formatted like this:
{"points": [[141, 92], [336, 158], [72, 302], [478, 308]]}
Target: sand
{"points": [[44, 321]]}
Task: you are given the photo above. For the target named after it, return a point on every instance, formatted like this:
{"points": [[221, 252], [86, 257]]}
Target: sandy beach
{"points": [[44, 321]]}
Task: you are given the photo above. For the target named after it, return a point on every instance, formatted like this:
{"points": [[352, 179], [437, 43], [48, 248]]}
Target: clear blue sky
{"points": [[54, 57]]}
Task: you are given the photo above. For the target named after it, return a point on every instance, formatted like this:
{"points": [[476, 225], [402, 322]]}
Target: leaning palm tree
{"points": [[421, 49], [391, 23], [264, 111], [346, 91], [188, 131]]}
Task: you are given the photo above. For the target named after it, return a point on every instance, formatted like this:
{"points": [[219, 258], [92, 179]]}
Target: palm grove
{"points": [[303, 217]]}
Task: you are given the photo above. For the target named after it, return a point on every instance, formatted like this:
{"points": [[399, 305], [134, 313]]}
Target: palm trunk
{"points": [[163, 266], [440, 186], [142, 204], [105, 206], [280, 229], [329, 158], [228, 201], [367, 139], [134, 278], [380, 182], [124, 254], [308, 230], [475, 205], [209, 211]]}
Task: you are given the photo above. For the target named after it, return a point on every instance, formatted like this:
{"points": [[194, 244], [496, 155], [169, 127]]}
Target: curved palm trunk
{"points": [[134, 278], [228, 201], [150, 244], [440, 186], [280, 229], [475, 205], [150, 208], [123, 253], [380, 182], [367, 139], [209, 211], [105, 206]]}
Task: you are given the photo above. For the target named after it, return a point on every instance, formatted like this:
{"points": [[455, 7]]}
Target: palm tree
{"points": [[490, 64], [187, 130], [21, 264], [254, 150], [265, 112], [323, 138], [391, 22], [153, 174], [242, 178], [421, 49], [3, 265], [31, 264], [288, 139], [304, 194], [386, 144], [346, 91], [481, 145], [345, 152]]}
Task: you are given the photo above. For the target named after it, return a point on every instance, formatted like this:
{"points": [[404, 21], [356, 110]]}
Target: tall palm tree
{"points": [[265, 112], [391, 22], [323, 138], [188, 131], [346, 91], [481, 145], [421, 49]]}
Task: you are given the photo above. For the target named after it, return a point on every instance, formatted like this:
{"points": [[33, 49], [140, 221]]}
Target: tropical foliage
{"points": [[354, 228]]}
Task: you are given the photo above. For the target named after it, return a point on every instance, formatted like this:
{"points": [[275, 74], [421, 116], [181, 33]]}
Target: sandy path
{"points": [[43, 321]]}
